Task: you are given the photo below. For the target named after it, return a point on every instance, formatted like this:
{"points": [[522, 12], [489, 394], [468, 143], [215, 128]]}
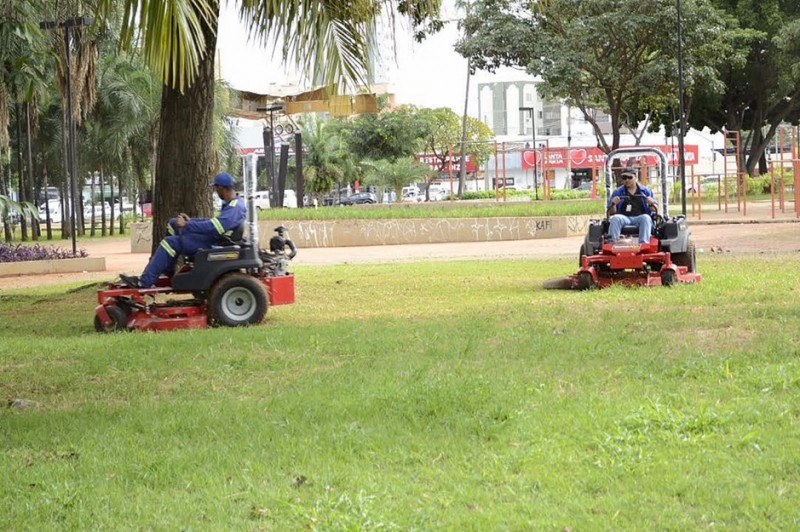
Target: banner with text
{"points": [[595, 157]]}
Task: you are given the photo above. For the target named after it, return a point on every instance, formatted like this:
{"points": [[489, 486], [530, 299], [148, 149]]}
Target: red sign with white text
{"points": [[594, 157]]}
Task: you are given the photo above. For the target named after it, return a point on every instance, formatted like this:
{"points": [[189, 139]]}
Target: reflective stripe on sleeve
{"points": [[170, 230], [168, 248], [218, 225]]}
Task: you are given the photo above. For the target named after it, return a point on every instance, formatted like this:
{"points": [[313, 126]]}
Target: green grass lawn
{"points": [[454, 395], [440, 209]]}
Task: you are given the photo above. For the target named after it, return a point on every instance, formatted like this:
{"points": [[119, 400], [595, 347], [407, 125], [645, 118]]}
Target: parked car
{"points": [[98, 212], [289, 199], [413, 196], [359, 198], [261, 199], [55, 210], [439, 193], [126, 204]]}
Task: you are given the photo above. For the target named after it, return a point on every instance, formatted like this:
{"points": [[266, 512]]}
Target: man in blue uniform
{"points": [[631, 204], [187, 235]]}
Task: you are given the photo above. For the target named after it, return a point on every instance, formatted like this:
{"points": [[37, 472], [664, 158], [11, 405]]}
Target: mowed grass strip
{"points": [[456, 395], [441, 209]]}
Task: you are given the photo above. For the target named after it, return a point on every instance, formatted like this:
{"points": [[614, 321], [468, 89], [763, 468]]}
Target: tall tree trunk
{"points": [[121, 210], [68, 200], [181, 182], [21, 173], [30, 189], [102, 201], [91, 205], [4, 192], [48, 221]]}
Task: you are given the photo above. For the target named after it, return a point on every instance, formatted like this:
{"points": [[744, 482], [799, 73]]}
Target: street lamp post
{"points": [[535, 157], [72, 165], [681, 110]]}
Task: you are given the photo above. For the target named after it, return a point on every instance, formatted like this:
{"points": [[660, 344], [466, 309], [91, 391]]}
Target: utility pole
{"points": [[535, 156], [681, 111]]}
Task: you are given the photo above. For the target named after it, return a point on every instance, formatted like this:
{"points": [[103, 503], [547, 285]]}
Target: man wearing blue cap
{"points": [[187, 235]]}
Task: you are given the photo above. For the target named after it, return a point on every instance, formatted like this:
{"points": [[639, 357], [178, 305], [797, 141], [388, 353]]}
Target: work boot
{"points": [[131, 281]]}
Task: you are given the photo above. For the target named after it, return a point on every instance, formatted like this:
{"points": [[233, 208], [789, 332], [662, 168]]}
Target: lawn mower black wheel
{"points": [[687, 258], [237, 299], [585, 281], [119, 320], [668, 277]]}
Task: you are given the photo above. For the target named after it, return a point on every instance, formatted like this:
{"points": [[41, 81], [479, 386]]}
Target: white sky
{"points": [[430, 74]]}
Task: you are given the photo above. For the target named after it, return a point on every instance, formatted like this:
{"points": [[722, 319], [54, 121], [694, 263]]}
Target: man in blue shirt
{"points": [[187, 235], [631, 204]]}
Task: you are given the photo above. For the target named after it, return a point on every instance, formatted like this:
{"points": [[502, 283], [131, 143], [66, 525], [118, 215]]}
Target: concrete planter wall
{"points": [[343, 233], [85, 264]]}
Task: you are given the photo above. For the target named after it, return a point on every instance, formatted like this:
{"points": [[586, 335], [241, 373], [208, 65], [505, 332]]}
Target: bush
{"points": [[20, 253]]}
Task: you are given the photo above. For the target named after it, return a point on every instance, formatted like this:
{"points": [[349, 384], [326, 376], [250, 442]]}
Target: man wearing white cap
{"points": [[187, 235]]}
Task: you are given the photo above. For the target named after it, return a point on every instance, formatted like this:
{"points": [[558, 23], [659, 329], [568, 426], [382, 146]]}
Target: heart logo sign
{"points": [[578, 156], [529, 158]]}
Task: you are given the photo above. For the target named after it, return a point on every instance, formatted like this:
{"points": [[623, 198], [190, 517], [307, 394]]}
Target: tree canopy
{"points": [[614, 56], [761, 77]]}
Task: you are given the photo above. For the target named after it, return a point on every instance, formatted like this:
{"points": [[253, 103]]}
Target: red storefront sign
{"points": [[440, 163], [595, 157], [248, 151]]}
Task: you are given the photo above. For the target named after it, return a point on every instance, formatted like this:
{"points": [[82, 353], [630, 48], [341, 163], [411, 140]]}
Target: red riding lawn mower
{"points": [[231, 284], [668, 258]]}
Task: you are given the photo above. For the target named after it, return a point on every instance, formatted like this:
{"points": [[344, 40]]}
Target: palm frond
{"points": [[169, 32]]}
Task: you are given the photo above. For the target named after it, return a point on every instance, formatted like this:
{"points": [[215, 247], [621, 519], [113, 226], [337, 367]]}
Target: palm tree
{"points": [[328, 40], [399, 173], [22, 56], [123, 120], [321, 170]]}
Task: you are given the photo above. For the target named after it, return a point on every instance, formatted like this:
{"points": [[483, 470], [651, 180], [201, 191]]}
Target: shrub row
{"points": [[22, 252]]}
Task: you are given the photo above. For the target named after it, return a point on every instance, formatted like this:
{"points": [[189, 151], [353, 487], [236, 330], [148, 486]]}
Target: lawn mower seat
{"points": [[236, 238], [630, 230], [207, 265]]}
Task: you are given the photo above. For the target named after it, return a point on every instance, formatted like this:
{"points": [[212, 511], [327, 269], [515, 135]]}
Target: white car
{"points": [[55, 210], [289, 199], [98, 212], [438, 193], [261, 199], [413, 196]]}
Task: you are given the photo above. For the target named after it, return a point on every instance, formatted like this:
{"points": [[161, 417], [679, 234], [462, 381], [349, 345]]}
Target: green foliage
{"points": [[9, 208], [326, 161], [437, 395], [444, 131], [604, 55], [398, 173], [762, 82], [390, 135]]}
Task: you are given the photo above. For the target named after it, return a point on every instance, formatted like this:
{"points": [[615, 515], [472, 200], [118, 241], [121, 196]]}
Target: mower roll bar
{"points": [[250, 185], [641, 152]]}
